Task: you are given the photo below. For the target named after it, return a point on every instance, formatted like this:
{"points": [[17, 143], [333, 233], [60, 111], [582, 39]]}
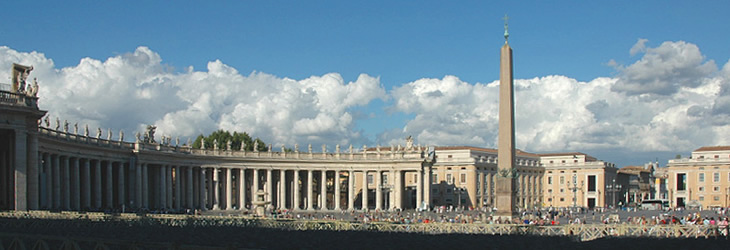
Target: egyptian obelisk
{"points": [[506, 140]]}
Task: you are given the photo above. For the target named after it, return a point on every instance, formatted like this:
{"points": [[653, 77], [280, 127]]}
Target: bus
{"points": [[654, 204]]}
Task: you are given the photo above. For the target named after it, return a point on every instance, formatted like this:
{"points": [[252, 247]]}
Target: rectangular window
{"points": [[550, 180], [561, 190], [562, 199], [435, 178], [701, 189], [462, 178], [449, 179], [370, 179], [701, 177], [716, 198], [385, 179], [716, 177], [550, 190], [562, 180], [681, 182], [591, 183], [716, 189], [702, 198]]}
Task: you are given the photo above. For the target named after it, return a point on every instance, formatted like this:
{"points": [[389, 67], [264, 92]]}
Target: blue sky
{"points": [[396, 42]]}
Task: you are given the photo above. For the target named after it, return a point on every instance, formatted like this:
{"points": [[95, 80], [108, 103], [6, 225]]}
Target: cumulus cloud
{"points": [[663, 70], [559, 113], [134, 89]]}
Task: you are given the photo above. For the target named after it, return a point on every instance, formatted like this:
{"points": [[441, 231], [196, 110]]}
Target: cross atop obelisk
{"points": [[506, 139], [506, 28]]}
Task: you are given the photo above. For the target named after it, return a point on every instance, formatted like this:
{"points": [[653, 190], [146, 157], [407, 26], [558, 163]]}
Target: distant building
{"points": [[703, 179], [577, 179]]}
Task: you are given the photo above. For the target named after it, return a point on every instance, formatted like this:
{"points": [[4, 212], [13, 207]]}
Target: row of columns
{"points": [[295, 189], [528, 190]]}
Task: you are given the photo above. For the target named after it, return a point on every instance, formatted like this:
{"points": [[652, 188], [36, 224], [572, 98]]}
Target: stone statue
{"points": [[65, 126], [283, 149], [98, 133], [324, 148], [400, 148], [76, 128], [138, 137], [86, 130], [149, 135], [109, 134], [337, 148], [296, 147], [121, 135], [48, 124], [189, 143], [215, 144], [202, 144], [392, 148], [19, 74], [409, 143], [269, 147], [351, 149], [58, 123], [309, 147], [364, 148], [228, 145], [177, 142], [34, 91], [377, 148], [243, 146], [255, 145]]}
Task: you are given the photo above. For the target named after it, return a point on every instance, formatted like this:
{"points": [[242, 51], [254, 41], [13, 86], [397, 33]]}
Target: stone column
{"points": [[480, 188], [419, 189], [98, 190], [109, 185], [189, 188], [32, 171], [162, 188], [168, 185], [76, 172], [120, 185], [49, 179], [66, 183], [378, 191], [56, 162], [229, 188], [242, 189], [138, 185], [337, 190], [295, 185], [398, 189], [282, 189], [21, 171], [202, 191], [269, 187], [216, 189], [426, 180], [254, 185], [323, 190], [351, 191], [310, 194], [364, 190], [178, 187], [145, 180]]}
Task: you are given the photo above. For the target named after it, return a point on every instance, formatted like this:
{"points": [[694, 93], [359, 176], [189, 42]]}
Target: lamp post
{"points": [[575, 188], [614, 188]]}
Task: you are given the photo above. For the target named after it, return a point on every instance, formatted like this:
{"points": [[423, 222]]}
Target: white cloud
{"points": [[131, 90]]}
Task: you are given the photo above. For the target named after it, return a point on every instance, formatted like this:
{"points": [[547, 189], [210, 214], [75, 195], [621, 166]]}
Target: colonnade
{"points": [[528, 189]]}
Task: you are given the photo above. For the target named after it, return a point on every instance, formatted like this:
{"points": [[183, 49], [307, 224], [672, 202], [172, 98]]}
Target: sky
{"points": [[628, 82]]}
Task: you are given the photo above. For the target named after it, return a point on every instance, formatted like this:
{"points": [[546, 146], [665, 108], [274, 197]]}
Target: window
{"points": [[575, 160], [435, 190], [550, 180], [562, 180], [562, 199], [716, 177], [370, 179], [562, 190], [702, 189], [701, 177], [717, 156], [449, 156], [715, 198], [385, 179], [716, 189], [462, 178], [550, 199], [551, 161], [702, 198], [550, 190], [681, 182], [435, 178], [591, 183], [449, 179], [563, 161], [448, 190]]}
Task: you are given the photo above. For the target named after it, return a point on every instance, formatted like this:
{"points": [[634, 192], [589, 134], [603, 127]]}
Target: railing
{"points": [[583, 232], [18, 99]]}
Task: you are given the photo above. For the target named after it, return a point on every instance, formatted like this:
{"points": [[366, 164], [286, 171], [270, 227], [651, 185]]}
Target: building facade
{"points": [[703, 179], [577, 179]]}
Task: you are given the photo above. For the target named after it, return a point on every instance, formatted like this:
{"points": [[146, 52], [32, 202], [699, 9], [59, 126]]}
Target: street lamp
{"points": [[614, 188], [575, 188]]}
